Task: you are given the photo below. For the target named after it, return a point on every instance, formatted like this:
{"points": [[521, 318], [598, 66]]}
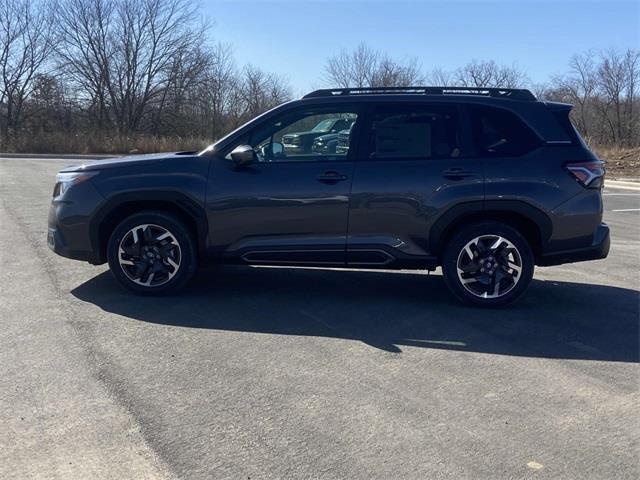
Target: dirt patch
{"points": [[621, 162]]}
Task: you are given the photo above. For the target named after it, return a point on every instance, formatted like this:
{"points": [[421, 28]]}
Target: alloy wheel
{"points": [[149, 255], [489, 266]]}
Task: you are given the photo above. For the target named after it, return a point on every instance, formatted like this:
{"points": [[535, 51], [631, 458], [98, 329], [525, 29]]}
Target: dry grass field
{"points": [[621, 162]]}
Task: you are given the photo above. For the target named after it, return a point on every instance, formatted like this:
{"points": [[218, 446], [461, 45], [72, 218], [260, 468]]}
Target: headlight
{"points": [[67, 179]]}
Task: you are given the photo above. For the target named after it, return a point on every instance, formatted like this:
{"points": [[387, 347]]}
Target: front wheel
{"points": [[152, 253], [488, 264]]}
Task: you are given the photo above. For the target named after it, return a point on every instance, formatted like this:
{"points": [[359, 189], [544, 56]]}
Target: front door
{"points": [[290, 206]]}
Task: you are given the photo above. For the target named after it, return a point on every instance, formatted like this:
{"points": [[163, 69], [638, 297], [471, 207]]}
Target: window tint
{"points": [[562, 116], [415, 131], [500, 133], [305, 136]]}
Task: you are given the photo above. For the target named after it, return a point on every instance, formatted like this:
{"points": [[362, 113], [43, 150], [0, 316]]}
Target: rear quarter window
{"points": [[500, 133], [562, 116]]}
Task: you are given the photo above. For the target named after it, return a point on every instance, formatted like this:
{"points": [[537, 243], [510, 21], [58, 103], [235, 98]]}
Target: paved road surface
{"points": [[300, 373]]}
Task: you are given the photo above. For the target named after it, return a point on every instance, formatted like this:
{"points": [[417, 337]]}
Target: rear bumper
{"points": [[597, 250]]}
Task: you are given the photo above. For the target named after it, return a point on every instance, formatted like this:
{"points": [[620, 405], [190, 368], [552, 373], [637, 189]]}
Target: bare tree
{"points": [[25, 43], [578, 87], [221, 80], [261, 91], [365, 67], [389, 73], [617, 77], [121, 51], [352, 68], [489, 74], [176, 103], [632, 70], [441, 78]]}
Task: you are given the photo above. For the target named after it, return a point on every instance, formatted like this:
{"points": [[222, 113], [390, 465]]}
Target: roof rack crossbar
{"points": [[510, 93]]}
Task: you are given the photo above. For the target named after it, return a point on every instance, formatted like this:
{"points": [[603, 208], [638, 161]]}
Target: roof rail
{"points": [[510, 93]]}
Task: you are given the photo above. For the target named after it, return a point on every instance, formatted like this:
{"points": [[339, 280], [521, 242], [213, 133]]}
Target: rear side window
{"points": [[500, 133], [562, 116], [415, 131]]}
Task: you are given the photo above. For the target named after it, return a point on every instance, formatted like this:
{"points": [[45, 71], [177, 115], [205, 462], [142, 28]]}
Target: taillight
{"points": [[589, 174]]}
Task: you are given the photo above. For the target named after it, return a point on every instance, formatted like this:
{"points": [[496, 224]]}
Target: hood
{"points": [[126, 161], [305, 134], [328, 136]]}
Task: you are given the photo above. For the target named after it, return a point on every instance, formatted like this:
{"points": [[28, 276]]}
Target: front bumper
{"points": [[58, 244], [597, 250], [290, 149], [69, 223]]}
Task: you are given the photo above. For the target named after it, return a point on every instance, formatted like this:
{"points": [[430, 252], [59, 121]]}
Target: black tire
{"points": [[178, 248], [512, 253]]}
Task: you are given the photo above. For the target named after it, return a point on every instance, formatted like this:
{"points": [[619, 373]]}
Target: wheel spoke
{"points": [[172, 263], [497, 243], [470, 268], [149, 279], [166, 249], [515, 267], [147, 235], [132, 251], [496, 288], [141, 269], [159, 267], [469, 280], [469, 252]]}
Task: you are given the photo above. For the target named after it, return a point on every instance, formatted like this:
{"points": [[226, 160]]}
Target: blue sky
{"points": [[294, 38]]}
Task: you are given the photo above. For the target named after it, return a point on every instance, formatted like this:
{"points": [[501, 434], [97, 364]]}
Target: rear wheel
{"points": [[152, 253], [488, 264]]}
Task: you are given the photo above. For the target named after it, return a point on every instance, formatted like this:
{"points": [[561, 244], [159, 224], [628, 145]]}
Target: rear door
{"points": [[416, 164]]}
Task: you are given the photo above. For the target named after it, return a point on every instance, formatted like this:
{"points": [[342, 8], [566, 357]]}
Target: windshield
{"points": [[324, 126]]}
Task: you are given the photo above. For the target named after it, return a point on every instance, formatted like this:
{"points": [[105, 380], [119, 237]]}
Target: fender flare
{"points": [[180, 202], [452, 218]]}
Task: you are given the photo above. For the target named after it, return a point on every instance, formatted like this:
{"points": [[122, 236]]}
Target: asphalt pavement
{"points": [[290, 373]]}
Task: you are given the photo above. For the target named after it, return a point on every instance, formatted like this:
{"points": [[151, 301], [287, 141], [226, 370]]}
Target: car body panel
{"points": [[394, 203], [277, 206], [77, 215]]}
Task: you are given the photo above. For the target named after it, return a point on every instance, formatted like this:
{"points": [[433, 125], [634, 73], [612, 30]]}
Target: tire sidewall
{"points": [[179, 231], [466, 234]]}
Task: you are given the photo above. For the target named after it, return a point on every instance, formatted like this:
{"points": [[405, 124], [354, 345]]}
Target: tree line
{"points": [[117, 75], [602, 85]]}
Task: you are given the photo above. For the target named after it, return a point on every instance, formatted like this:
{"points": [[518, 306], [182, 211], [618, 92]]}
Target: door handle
{"points": [[331, 177], [456, 173]]}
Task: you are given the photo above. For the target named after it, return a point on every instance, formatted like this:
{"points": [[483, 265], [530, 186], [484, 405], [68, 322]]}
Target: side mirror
{"points": [[243, 155]]}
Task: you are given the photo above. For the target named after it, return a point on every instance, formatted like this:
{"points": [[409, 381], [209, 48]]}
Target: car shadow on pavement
{"points": [[390, 310]]}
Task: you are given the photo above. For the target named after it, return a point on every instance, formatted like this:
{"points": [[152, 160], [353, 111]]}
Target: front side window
{"points": [[305, 136], [416, 131], [500, 133]]}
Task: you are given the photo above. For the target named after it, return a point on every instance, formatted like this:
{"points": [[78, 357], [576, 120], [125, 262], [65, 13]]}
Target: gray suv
{"points": [[485, 183]]}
